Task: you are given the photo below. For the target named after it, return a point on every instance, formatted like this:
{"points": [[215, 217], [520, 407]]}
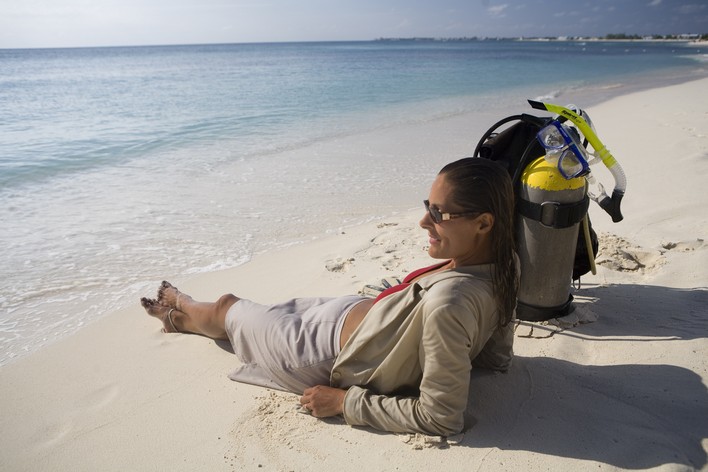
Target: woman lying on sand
{"points": [[400, 362]]}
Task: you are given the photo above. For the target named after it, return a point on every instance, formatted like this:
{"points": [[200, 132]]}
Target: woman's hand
{"points": [[323, 401]]}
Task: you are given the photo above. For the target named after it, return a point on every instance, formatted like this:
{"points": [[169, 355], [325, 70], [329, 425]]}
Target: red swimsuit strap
{"points": [[407, 281], [424, 270]]}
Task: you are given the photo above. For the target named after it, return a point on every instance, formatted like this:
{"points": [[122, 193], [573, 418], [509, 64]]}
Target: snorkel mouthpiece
{"points": [[610, 204]]}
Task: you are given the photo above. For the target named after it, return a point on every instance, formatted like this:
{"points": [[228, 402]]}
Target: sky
{"points": [[79, 23]]}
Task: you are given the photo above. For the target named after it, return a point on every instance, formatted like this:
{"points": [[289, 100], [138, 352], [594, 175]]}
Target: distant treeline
{"points": [[609, 37], [702, 37]]}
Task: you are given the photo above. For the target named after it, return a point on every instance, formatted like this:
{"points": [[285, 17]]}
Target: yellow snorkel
{"points": [[610, 205]]}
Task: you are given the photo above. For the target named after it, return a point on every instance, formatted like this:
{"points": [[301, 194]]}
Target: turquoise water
{"points": [[71, 109], [121, 166]]}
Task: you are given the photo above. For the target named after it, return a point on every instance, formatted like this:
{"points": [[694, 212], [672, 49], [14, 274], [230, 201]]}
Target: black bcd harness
{"points": [[515, 147]]}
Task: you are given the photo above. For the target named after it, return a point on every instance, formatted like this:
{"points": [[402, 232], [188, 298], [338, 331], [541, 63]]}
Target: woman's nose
{"points": [[426, 221]]}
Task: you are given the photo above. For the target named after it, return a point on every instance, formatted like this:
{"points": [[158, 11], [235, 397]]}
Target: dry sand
{"points": [[624, 389]]}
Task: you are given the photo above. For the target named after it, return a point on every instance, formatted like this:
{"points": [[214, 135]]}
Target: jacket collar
{"points": [[481, 271]]}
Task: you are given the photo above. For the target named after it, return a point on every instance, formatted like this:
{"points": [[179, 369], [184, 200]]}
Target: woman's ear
{"points": [[486, 222]]}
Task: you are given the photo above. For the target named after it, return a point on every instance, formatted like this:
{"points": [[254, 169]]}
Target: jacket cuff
{"points": [[351, 410]]}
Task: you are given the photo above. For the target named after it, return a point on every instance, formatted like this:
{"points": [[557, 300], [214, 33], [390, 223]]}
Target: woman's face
{"points": [[465, 240]]}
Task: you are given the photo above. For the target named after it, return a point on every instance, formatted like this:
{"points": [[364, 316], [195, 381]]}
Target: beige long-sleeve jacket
{"points": [[407, 366]]}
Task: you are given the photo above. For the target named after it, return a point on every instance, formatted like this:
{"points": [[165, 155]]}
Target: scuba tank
{"points": [[549, 211], [550, 169]]}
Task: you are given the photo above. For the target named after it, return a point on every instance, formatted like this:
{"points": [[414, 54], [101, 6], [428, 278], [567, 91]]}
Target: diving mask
{"points": [[563, 148]]}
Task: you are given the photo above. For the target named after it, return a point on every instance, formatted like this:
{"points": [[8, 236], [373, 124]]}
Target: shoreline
{"points": [[431, 141], [48, 298], [634, 377]]}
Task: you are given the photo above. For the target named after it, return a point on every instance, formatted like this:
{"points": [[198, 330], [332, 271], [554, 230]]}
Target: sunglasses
{"points": [[438, 216]]}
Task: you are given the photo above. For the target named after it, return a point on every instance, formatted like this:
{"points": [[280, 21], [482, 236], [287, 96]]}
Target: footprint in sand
{"points": [[616, 253], [52, 434], [56, 430], [685, 246], [386, 225], [100, 398], [339, 265]]}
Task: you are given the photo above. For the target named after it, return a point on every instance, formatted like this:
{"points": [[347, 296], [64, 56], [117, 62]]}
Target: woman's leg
{"points": [[188, 315]]}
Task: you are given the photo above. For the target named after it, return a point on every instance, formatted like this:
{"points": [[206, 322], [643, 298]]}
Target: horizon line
{"points": [[682, 37]]}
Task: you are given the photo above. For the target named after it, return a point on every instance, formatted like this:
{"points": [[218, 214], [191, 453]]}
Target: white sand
{"points": [[627, 391]]}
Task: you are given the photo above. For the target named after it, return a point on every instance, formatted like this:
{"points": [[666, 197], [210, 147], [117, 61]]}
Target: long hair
{"points": [[480, 184]]}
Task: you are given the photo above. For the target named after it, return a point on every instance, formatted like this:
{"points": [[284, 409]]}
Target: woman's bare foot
{"points": [[161, 312], [169, 296]]}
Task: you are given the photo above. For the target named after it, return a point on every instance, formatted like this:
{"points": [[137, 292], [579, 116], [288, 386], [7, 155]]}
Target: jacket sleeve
{"points": [[444, 356]]}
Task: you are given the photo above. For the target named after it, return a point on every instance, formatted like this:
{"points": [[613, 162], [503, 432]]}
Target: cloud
{"points": [[654, 3], [497, 11], [691, 9], [403, 24]]}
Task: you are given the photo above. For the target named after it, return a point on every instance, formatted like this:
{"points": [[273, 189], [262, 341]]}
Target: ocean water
{"points": [[122, 166]]}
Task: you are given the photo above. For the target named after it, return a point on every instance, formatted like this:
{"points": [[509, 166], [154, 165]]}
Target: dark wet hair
{"points": [[483, 185]]}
